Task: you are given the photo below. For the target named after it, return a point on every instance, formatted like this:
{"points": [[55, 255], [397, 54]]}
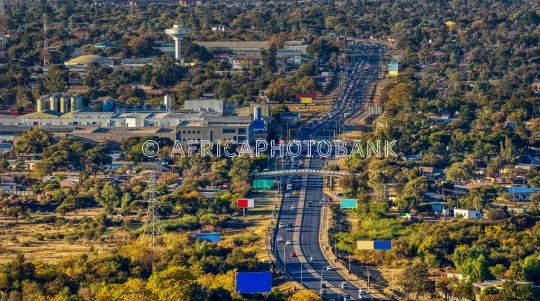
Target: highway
{"points": [[306, 220]]}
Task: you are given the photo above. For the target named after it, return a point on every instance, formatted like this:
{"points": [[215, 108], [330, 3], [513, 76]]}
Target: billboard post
{"points": [[245, 203], [393, 70]]}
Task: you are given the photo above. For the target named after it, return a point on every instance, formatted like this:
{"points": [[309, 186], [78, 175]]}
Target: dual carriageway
{"points": [[298, 249]]}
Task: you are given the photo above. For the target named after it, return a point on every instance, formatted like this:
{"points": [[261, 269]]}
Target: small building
{"points": [[136, 63], [115, 165], [8, 187], [239, 63], [104, 45], [320, 80], [431, 172], [522, 193], [468, 213], [451, 25], [67, 183], [479, 287], [154, 166]]}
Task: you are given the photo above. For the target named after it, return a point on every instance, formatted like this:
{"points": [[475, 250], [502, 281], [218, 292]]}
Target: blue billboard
{"points": [[211, 237], [258, 125], [253, 282], [382, 245]]}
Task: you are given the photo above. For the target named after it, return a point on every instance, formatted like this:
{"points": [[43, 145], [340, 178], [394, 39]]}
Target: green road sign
{"points": [[348, 204], [263, 184]]}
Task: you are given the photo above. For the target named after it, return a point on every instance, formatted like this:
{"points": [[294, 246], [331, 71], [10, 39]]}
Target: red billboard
{"points": [[246, 203]]}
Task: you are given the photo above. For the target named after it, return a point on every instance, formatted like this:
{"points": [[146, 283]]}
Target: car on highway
{"points": [[290, 230], [287, 195], [293, 211], [288, 242], [329, 268], [311, 257], [281, 225], [293, 207], [293, 254], [361, 293], [321, 202], [346, 297], [289, 225], [323, 285], [310, 203], [295, 192], [279, 238], [344, 285]]}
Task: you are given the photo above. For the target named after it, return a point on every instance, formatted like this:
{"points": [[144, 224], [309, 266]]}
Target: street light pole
{"points": [[335, 250], [322, 273], [301, 273], [284, 262], [349, 266]]}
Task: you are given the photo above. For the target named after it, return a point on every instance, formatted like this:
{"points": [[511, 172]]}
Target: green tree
{"points": [[280, 90], [57, 79], [415, 279], [4, 164], [459, 172], [531, 268], [268, 58], [41, 170], [109, 197], [34, 141], [125, 204], [174, 283]]}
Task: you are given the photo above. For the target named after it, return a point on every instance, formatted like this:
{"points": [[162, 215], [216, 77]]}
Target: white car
{"points": [[329, 268], [311, 257], [293, 207], [287, 195], [343, 285], [281, 225], [288, 242], [279, 238]]}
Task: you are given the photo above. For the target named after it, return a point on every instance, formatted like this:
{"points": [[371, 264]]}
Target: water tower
{"points": [[177, 33]]}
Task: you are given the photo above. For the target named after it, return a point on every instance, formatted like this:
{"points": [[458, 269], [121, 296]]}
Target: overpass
{"points": [[309, 172]]}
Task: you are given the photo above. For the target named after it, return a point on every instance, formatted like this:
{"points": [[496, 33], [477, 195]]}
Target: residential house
{"points": [[443, 118], [431, 172], [8, 187], [522, 193], [219, 28], [479, 287], [468, 214], [153, 166], [320, 80], [104, 45], [115, 165], [239, 63], [136, 63], [67, 183]]}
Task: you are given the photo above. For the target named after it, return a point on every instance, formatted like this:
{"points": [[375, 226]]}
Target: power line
{"points": [[46, 54], [151, 225], [3, 31]]}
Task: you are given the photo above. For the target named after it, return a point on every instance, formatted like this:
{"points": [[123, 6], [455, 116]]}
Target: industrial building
{"points": [[63, 116]]}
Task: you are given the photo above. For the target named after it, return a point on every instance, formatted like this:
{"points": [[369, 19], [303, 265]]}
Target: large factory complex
{"points": [[209, 119]]}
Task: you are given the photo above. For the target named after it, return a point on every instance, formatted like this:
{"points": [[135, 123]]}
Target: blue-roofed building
{"points": [[522, 193], [104, 45]]}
